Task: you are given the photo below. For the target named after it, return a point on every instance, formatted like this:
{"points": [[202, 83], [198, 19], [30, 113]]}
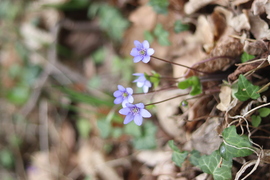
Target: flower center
{"points": [[142, 52], [125, 94], [135, 110]]}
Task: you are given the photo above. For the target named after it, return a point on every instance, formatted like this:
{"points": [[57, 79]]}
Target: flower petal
{"points": [[129, 105], [138, 119], [121, 88], [117, 93], [146, 59], [140, 84], [150, 51], [124, 111], [124, 103], [138, 44], [145, 113], [140, 105], [129, 90], [145, 44], [145, 89], [118, 100], [128, 118], [130, 99], [134, 52], [137, 74], [147, 83], [137, 58]]}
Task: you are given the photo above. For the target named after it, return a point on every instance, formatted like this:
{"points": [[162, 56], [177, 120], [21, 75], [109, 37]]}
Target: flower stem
{"points": [[171, 87], [179, 64], [167, 99], [207, 60]]}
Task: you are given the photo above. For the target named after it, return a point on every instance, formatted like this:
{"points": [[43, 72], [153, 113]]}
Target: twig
{"points": [[40, 82]]}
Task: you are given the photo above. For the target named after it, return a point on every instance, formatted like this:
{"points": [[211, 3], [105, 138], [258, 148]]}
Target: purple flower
{"points": [[142, 82], [141, 52], [135, 112], [123, 95]]}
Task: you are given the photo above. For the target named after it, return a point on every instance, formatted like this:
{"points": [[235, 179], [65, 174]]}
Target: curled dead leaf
{"points": [[240, 22], [167, 111], [225, 98], [259, 6], [92, 162], [194, 5], [258, 47], [205, 139], [259, 27], [152, 158]]}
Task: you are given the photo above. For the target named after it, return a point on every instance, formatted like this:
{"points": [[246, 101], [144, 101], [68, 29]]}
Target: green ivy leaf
{"points": [[162, 35], [264, 112], [246, 89], [215, 165], [84, 127], [194, 83], [160, 6], [148, 36], [245, 57], [69, 5], [178, 157], [104, 127], [123, 67], [19, 94], [256, 120], [195, 157], [116, 132], [133, 130], [179, 26], [184, 84], [148, 138], [6, 158], [99, 56], [240, 142], [195, 90], [154, 78], [110, 19]]}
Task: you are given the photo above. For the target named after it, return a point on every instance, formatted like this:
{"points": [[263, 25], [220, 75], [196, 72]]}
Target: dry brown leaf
{"points": [[167, 168], [205, 31], [258, 47], [202, 176], [168, 177], [259, 27], [68, 135], [189, 59], [49, 16], [167, 111], [45, 166], [143, 19], [240, 23], [205, 139], [35, 38], [193, 5], [92, 163], [225, 98], [242, 70], [267, 9], [153, 157], [189, 46], [238, 2], [258, 6], [225, 46]]}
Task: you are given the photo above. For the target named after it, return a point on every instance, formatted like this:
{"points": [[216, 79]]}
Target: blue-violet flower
{"points": [[123, 95], [134, 112], [142, 82], [141, 52]]}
